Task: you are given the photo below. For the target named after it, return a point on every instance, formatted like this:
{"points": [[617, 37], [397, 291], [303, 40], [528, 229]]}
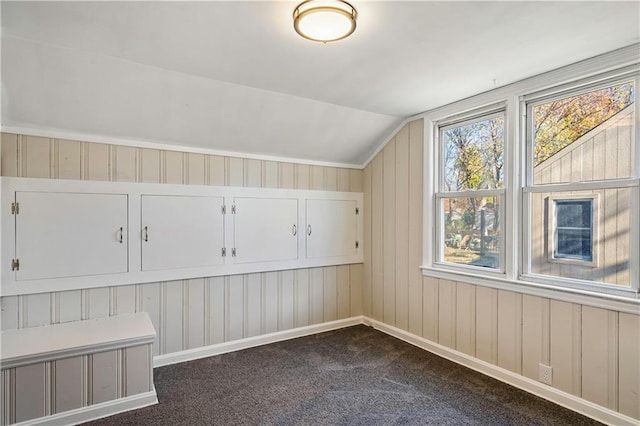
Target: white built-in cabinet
{"points": [[62, 235], [181, 232]]}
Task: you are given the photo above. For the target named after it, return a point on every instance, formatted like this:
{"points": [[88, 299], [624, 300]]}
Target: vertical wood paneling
{"points": [[430, 312], [104, 376], [447, 313], [137, 370], [9, 155], [629, 365], [30, 392], [301, 176], [173, 167], [343, 298], [356, 181], [215, 170], [356, 285], [330, 293], [252, 173], [9, 306], [172, 318], [150, 303], [565, 346], [535, 335], [124, 163], [149, 169], [35, 153], [196, 313], [68, 306], [316, 177], [465, 318], [96, 303], [234, 307], [330, 179], [69, 384], [287, 300], [196, 169], [487, 324], [216, 315], [388, 233], [367, 286], [234, 168], [36, 309], [344, 180], [377, 243], [302, 295], [401, 216], [253, 311], [316, 296], [124, 299], [96, 162], [416, 129], [270, 301], [286, 177], [270, 177], [600, 356], [67, 160], [510, 330]]}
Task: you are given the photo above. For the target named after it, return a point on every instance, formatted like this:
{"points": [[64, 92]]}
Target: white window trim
{"points": [[553, 226], [620, 63]]}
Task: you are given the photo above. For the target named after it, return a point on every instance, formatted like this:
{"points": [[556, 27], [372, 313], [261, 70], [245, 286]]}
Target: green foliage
{"points": [[559, 123]]}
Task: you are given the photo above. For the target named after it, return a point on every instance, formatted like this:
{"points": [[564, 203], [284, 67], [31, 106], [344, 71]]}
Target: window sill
{"points": [[628, 304]]}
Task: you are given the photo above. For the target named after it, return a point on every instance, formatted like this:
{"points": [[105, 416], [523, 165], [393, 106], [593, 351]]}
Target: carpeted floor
{"points": [[352, 376]]}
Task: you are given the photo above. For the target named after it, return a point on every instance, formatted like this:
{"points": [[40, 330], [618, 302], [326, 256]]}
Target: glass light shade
{"points": [[324, 20]]}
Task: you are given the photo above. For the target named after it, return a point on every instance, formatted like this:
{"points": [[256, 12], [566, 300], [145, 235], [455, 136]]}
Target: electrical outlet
{"points": [[546, 374]]}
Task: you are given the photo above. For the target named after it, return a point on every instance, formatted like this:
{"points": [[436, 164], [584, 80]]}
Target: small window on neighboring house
{"points": [[573, 230]]}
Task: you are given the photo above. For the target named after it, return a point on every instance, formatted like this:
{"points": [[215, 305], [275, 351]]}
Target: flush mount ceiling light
{"points": [[324, 20]]}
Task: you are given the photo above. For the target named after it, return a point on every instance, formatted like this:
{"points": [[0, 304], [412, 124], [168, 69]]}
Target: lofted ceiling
{"points": [[234, 76]]}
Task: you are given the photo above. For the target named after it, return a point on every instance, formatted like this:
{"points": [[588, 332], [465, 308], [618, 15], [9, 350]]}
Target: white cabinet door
{"points": [[181, 232], [332, 228], [265, 229], [70, 234]]}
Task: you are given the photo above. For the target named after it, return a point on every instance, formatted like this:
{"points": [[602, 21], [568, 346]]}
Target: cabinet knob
{"points": [[146, 233], [121, 235]]}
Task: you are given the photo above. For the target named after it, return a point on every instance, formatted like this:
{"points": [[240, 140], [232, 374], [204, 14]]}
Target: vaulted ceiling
{"points": [[234, 76]]}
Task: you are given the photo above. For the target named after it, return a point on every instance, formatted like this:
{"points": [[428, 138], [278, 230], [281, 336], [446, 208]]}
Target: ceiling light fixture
{"points": [[325, 20]]}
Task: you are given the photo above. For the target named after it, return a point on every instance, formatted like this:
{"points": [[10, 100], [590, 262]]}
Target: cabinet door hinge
{"points": [[15, 208], [224, 209], [233, 252], [357, 244], [357, 210], [15, 264], [233, 209], [224, 252]]}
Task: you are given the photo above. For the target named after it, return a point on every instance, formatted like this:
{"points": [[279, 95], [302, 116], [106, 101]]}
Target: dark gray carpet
{"points": [[353, 376]]}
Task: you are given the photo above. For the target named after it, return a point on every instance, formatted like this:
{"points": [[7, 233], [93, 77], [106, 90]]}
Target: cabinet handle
{"points": [[146, 233], [309, 230], [294, 230], [121, 239]]}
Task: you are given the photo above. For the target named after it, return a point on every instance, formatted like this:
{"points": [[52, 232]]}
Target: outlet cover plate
{"points": [[546, 374]]}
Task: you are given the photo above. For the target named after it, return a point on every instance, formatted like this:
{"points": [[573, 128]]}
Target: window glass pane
{"points": [[472, 231], [575, 214], [573, 244], [608, 241], [585, 137], [473, 155]]}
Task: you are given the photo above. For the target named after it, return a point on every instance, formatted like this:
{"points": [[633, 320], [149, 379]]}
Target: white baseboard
{"points": [[250, 342], [556, 396], [96, 411]]}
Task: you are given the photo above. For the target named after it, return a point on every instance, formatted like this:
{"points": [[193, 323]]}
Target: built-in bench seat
{"points": [[76, 371]]}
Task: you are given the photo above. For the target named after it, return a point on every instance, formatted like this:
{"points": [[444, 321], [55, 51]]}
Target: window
{"points": [[580, 182], [573, 238], [471, 191]]}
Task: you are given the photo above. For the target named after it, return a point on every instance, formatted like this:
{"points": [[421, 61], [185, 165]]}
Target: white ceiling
{"points": [[235, 76]]}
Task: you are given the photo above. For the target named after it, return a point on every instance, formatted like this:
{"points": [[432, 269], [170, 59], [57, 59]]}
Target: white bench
{"points": [[76, 371]]}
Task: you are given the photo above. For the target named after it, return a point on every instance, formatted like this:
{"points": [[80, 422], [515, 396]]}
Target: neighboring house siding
{"points": [[605, 152]]}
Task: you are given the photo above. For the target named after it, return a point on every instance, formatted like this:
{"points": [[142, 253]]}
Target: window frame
{"points": [[552, 230], [623, 65], [474, 116]]}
